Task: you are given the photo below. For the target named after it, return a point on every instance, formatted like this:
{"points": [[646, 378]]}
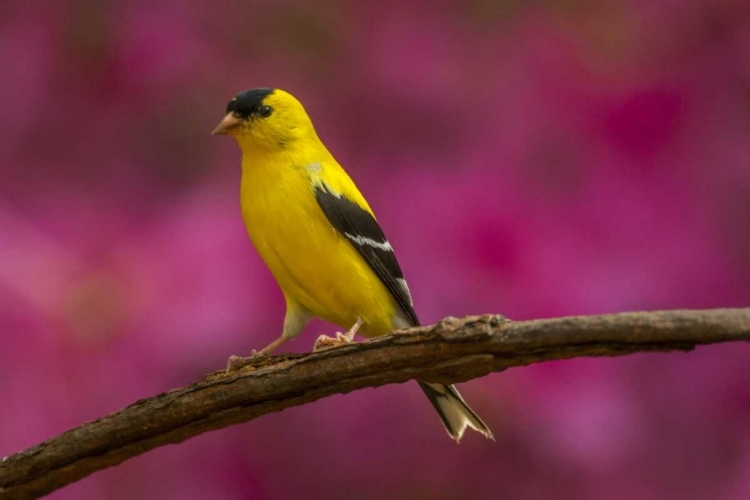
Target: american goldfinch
{"points": [[318, 236]]}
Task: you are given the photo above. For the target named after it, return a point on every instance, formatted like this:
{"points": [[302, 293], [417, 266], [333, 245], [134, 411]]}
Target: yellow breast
{"points": [[312, 263]]}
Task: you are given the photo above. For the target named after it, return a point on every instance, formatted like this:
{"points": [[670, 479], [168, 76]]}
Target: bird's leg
{"points": [[294, 322], [341, 338], [349, 335], [237, 362], [268, 350]]}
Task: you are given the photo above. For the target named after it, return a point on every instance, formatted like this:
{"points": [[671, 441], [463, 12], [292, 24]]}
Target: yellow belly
{"points": [[313, 264]]}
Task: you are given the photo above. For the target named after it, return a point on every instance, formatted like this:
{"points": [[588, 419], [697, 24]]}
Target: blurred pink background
{"points": [[534, 159]]}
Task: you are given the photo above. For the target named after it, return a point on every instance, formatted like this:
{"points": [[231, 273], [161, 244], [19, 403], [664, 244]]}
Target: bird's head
{"points": [[265, 118]]}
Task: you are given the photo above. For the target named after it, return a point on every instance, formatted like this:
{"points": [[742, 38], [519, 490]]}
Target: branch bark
{"points": [[453, 350]]}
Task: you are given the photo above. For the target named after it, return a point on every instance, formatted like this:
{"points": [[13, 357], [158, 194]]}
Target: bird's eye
{"points": [[265, 111]]}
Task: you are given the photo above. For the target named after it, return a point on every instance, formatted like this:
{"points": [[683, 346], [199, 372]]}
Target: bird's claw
{"points": [[324, 341], [234, 363], [344, 338]]}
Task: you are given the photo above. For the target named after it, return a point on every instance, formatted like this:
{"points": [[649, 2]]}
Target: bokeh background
{"points": [[534, 159]]}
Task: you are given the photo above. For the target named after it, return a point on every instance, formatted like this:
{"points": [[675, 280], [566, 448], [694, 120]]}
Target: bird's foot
{"points": [[324, 341], [234, 363], [237, 362]]}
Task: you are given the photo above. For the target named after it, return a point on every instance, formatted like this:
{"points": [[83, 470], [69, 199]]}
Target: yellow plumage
{"points": [[315, 267], [319, 237]]}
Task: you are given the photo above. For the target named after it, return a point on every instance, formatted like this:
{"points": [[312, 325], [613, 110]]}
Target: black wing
{"points": [[363, 231]]}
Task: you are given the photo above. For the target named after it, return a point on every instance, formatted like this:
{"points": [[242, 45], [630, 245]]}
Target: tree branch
{"points": [[453, 350]]}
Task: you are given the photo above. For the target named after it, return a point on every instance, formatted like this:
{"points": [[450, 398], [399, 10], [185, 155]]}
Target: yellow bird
{"points": [[318, 236]]}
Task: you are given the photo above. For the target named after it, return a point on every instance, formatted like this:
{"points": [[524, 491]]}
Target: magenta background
{"points": [[533, 159]]}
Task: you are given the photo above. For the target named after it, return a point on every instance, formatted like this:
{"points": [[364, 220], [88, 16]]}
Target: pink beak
{"points": [[227, 125]]}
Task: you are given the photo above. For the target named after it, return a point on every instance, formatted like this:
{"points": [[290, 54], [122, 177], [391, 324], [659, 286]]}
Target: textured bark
{"points": [[453, 350]]}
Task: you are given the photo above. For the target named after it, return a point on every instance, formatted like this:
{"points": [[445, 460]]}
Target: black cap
{"points": [[247, 102]]}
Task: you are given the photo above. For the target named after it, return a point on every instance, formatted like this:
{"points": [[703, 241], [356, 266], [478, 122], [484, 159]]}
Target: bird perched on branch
{"points": [[318, 236]]}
